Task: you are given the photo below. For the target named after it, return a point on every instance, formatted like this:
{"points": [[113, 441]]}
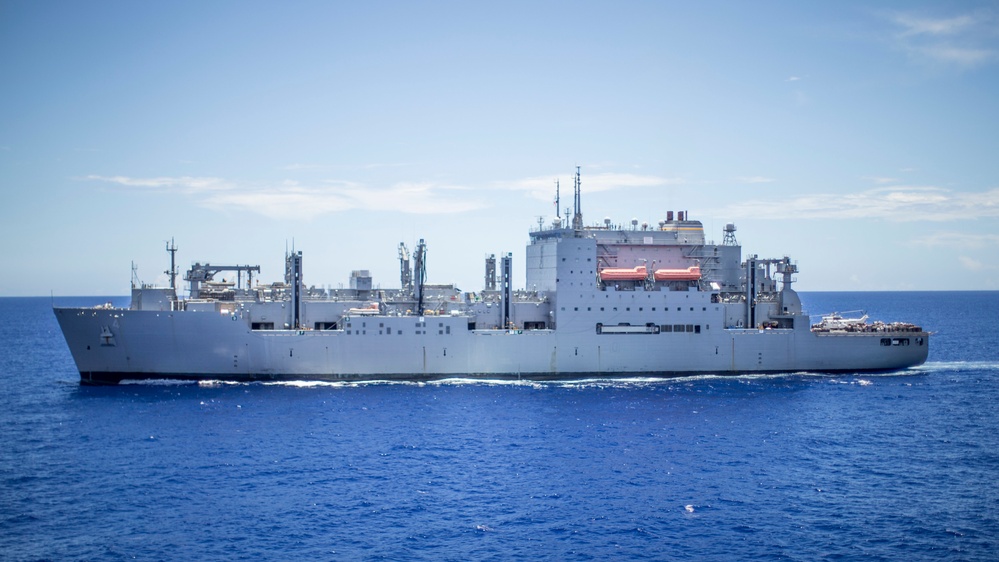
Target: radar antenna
{"points": [[729, 239]]}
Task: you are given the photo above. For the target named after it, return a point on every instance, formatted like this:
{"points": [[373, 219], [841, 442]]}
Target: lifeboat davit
{"points": [[623, 273], [692, 273]]}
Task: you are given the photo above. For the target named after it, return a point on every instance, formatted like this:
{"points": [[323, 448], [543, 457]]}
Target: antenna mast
{"points": [[420, 272], [557, 201], [577, 217], [173, 264]]}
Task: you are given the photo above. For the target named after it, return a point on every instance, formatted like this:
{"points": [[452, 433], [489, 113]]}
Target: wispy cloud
{"points": [[880, 180], [754, 179], [293, 200], [185, 184], [899, 203], [915, 25], [964, 41], [298, 166], [959, 240], [542, 188], [972, 264]]}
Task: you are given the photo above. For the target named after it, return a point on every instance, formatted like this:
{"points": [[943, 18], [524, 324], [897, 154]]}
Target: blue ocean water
{"points": [[801, 466]]}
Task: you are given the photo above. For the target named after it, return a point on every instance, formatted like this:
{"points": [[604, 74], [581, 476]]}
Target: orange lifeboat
{"points": [[623, 273], [692, 273]]}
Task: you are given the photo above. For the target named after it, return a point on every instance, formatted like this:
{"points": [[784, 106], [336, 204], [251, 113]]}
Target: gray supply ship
{"points": [[601, 301]]}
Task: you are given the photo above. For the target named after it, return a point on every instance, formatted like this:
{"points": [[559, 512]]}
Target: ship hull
{"points": [[111, 345]]}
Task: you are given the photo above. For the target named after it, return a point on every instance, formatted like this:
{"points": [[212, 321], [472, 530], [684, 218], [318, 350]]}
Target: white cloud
{"points": [[297, 166], [914, 25], [961, 56], [542, 188], [292, 200], [899, 203], [881, 180], [754, 179], [970, 264], [959, 240], [186, 184], [964, 41]]}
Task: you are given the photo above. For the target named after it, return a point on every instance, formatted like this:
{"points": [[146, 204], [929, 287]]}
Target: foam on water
{"points": [[615, 382], [945, 366]]}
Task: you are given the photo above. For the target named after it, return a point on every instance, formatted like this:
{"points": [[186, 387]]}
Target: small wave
{"points": [[581, 383], [159, 382], [945, 366]]}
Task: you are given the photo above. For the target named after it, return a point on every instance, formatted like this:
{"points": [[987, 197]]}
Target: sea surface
{"points": [[901, 466]]}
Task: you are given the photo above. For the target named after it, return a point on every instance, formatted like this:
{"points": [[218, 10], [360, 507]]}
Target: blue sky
{"points": [[859, 138]]}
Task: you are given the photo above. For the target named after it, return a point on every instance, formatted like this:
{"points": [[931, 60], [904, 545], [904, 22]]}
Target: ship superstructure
{"points": [[599, 301]]}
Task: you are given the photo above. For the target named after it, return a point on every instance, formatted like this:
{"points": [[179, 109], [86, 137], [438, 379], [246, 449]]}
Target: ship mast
{"points": [[173, 264], [420, 272], [557, 202], [405, 273], [577, 217]]}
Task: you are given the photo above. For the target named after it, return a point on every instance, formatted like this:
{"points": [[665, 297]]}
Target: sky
{"points": [[859, 138]]}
